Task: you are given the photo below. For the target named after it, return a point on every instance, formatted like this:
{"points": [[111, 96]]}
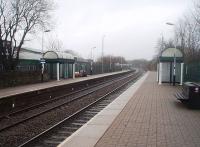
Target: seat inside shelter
{"points": [[59, 64], [170, 66]]}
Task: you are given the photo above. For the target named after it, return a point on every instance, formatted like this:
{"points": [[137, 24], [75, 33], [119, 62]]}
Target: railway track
{"points": [[17, 102], [86, 87], [59, 132], [79, 106], [23, 115]]}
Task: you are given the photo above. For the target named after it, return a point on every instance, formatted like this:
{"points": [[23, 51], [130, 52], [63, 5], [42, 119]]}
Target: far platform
{"points": [[146, 115], [38, 86]]}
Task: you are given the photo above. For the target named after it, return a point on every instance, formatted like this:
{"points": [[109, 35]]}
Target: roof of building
{"points": [[30, 54], [54, 56], [57, 55], [171, 52]]}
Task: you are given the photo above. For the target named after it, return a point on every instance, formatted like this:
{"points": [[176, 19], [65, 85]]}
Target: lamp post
{"points": [[46, 31], [110, 64], [121, 63], [42, 60], [174, 68], [91, 69], [102, 53]]}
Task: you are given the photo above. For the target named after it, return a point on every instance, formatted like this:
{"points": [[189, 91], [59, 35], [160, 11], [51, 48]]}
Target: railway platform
{"points": [[146, 115], [38, 86]]}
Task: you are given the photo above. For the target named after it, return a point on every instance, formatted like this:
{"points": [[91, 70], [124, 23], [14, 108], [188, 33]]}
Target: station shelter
{"points": [[170, 65], [59, 64]]}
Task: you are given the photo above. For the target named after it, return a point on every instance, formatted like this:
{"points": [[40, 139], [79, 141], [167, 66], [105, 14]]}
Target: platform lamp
{"points": [[92, 50], [103, 37], [174, 68], [110, 64], [42, 61]]}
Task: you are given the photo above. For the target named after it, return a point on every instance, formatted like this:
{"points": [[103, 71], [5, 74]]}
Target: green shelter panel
{"points": [[171, 59]]}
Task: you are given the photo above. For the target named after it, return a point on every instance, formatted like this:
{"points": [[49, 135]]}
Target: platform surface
{"points": [[32, 87], [146, 115], [154, 118]]}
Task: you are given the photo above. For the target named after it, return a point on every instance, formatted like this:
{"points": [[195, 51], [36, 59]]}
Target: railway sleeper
{"points": [[91, 112], [87, 116], [47, 142], [64, 132], [97, 107], [105, 102], [80, 121], [70, 128], [59, 137], [102, 105], [77, 124], [95, 110]]}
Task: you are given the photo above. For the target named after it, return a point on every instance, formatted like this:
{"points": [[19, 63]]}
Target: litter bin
{"points": [[190, 93]]}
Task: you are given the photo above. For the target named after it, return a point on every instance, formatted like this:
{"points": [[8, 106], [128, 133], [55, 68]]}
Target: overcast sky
{"points": [[131, 27]]}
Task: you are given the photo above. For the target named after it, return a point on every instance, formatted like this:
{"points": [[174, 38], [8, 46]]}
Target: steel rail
{"points": [[75, 114], [54, 99], [55, 107]]}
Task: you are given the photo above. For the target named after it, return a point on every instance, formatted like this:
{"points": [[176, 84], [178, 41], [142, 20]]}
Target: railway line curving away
{"points": [[50, 121]]}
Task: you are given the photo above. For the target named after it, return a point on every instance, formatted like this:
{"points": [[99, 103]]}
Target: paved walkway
{"points": [[154, 118]]}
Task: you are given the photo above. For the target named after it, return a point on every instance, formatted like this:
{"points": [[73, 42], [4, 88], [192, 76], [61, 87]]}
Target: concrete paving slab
{"points": [[102, 120], [94, 131], [110, 111], [84, 141]]}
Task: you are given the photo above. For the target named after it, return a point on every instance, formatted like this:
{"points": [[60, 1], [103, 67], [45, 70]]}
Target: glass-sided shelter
{"points": [[170, 62], [60, 64]]}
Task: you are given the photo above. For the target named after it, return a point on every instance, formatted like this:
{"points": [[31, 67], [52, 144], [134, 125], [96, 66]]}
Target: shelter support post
{"points": [[42, 76], [157, 73], [160, 74], [73, 70], [58, 70], [174, 73], [182, 66]]}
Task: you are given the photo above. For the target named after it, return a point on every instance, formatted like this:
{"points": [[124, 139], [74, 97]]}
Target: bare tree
{"points": [[196, 11], [17, 19], [162, 44], [188, 32], [55, 45]]}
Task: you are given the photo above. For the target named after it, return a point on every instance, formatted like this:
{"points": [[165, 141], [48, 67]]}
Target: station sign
{"points": [[42, 61]]}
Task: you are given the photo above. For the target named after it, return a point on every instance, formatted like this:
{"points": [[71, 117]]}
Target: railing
{"points": [[192, 72]]}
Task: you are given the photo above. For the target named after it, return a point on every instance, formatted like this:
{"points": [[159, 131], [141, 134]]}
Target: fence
{"points": [[14, 78], [31, 73], [192, 72]]}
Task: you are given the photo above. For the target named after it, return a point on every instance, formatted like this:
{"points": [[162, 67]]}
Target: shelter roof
{"points": [[57, 55], [171, 52]]}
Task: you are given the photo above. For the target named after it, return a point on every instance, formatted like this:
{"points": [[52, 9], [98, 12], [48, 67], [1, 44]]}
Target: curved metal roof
{"points": [[171, 52], [57, 55]]}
